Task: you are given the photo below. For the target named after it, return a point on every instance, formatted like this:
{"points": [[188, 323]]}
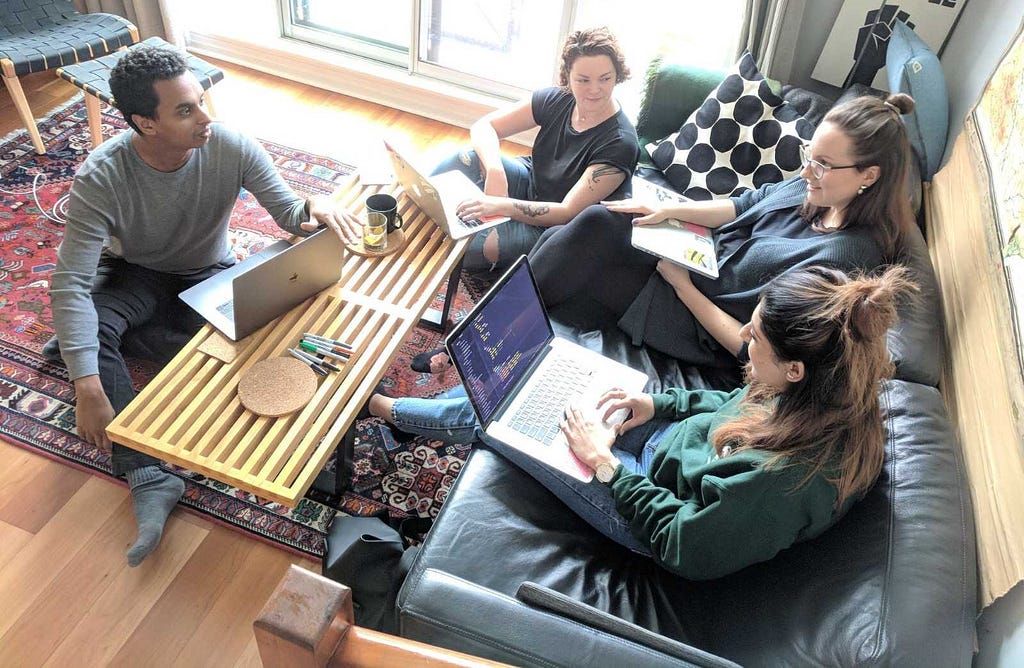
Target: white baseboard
{"points": [[382, 84]]}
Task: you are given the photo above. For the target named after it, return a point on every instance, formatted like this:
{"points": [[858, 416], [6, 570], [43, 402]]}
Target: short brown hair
{"points": [[592, 42]]}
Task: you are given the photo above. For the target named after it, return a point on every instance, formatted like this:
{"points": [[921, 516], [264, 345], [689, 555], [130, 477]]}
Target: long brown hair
{"points": [[879, 138], [593, 42], [830, 420]]}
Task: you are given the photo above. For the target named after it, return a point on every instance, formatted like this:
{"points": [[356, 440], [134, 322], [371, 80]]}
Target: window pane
{"points": [[380, 25], [510, 41], [694, 32]]}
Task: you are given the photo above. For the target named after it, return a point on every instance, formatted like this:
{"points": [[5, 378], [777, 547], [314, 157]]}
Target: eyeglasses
{"points": [[818, 169]]}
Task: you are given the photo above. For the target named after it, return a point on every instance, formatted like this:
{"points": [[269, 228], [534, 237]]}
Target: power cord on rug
{"points": [[58, 213]]}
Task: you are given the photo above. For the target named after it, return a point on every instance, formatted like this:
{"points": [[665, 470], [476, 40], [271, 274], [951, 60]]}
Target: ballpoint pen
{"points": [[313, 348], [324, 339], [317, 360], [315, 367], [321, 343]]}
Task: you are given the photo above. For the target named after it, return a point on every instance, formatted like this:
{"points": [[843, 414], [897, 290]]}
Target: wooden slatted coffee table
{"points": [[190, 414]]}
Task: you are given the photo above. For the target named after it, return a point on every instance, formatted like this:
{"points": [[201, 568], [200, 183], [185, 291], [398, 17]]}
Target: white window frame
{"points": [[411, 62]]}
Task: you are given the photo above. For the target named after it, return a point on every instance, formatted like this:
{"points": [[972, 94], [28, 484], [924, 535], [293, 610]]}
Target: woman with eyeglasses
{"points": [[847, 209]]}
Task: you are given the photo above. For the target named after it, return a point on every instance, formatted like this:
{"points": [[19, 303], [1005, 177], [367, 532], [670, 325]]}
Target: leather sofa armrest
{"points": [[446, 611], [560, 604]]}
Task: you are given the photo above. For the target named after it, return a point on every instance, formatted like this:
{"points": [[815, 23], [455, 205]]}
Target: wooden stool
{"points": [[93, 76]]}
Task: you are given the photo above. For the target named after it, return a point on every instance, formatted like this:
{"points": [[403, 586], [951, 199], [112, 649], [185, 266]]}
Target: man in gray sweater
{"points": [[147, 218]]}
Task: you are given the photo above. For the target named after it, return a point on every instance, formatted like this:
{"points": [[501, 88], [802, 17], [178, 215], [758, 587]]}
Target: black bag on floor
{"points": [[372, 559]]}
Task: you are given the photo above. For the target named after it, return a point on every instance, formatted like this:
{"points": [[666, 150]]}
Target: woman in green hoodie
{"points": [[708, 482]]}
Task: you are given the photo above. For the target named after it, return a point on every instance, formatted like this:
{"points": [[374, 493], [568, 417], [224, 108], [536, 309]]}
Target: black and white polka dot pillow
{"points": [[742, 137]]}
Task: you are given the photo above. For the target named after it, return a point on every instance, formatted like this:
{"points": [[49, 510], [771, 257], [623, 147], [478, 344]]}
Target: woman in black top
{"points": [[584, 152]]}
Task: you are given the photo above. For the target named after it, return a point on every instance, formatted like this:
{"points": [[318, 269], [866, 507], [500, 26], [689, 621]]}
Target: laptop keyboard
{"points": [[228, 309], [539, 415]]}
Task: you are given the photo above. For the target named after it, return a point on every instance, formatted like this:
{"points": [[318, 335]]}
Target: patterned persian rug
{"points": [[36, 409]]}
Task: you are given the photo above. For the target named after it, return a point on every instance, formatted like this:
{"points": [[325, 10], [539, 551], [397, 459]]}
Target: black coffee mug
{"points": [[387, 205]]}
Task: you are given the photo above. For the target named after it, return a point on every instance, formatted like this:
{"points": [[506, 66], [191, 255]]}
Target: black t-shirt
{"points": [[561, 154]]}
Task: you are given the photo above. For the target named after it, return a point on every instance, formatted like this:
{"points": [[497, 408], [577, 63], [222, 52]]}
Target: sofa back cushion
{"points": [[916, 340]]}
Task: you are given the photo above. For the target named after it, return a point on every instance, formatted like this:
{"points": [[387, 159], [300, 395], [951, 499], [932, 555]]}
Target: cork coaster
{"points": [[396, 242], [276, 386], [221, 347]]}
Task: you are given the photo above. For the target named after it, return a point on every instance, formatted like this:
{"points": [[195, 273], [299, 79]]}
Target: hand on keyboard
{"points": [[588, 436], [639, 407]]}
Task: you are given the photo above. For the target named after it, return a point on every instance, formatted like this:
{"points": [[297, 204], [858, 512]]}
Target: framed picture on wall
{"points": [[856, 47]]}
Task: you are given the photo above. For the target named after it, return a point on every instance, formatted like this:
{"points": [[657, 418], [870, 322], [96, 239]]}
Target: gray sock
{"points": [[51, 350], [154, 495]]}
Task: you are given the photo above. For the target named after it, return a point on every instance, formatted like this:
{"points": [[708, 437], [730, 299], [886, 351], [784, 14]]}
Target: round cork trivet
{"points": [[276, 386], [396, 241]]}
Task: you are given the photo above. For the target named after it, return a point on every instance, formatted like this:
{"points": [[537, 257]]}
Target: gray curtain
{"points": [[151, 17], [764, 23]]}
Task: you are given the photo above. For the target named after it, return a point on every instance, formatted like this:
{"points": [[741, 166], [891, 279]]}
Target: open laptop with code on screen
{"points": [[519, 376]]}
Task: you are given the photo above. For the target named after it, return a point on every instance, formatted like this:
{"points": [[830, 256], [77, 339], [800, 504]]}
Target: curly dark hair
{"points": [[132, 79], [593, 42]]}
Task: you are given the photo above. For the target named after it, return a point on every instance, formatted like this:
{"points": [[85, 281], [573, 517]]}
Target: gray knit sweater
{"points": [[174, 222]]}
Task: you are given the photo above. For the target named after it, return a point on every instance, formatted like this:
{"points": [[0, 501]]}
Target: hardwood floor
{"points": [[67, 595]]}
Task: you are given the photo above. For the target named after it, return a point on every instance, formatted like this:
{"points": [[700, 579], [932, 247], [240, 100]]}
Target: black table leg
{"points": [[438, 319]]}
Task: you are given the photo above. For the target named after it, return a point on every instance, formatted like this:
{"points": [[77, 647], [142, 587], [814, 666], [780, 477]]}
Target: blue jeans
{"points": [[450, 418], [515, 238]]}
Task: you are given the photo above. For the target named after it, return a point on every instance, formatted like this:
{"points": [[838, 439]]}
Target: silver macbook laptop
{"points": [[519, 376], [689, 245], [440, 195], [243, 298]]}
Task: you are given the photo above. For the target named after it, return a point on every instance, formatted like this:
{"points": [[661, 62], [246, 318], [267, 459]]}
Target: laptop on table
{"points": [[688, 245], [439, 196], [243, 298], [519, 376]]}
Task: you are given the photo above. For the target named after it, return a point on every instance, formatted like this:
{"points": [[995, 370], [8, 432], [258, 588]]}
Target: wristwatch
{"points": [[606, 470]]}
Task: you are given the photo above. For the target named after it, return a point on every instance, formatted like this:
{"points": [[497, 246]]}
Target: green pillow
{"points": [[671, 93]]}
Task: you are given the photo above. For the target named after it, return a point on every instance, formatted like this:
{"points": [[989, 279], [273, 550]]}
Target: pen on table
{"points": [[306, 345], [315, 367], [317, 360], [328, 346], [333, 342]]}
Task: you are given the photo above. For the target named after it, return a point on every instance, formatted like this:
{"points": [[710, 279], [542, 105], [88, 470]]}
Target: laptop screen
{"points": [[494, 346]]}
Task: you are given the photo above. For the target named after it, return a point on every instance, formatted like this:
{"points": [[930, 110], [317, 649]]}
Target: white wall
{"points": [[985, 28]]}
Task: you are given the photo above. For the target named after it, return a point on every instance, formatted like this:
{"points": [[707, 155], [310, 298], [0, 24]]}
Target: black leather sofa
{"points": [[508, 573]]}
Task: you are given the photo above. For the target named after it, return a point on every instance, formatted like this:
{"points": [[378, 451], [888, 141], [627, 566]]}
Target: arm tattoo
{"points": [[603, 170], [532, 210]]}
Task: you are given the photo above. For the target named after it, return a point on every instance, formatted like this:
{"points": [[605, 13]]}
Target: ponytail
{"points": [[831, 419]]}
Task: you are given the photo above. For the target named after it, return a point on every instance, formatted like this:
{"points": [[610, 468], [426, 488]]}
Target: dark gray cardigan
{"points": [[766, 238]]}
